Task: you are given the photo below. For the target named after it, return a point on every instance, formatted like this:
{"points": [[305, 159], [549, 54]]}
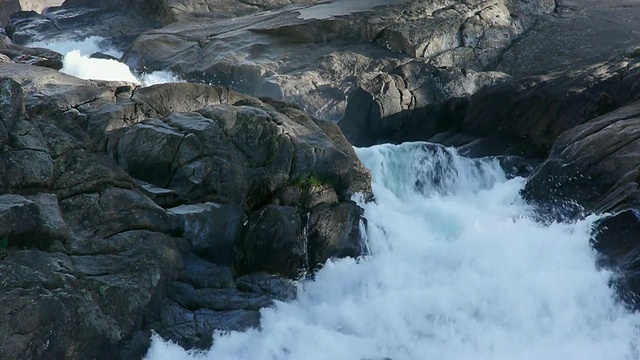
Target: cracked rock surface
{"points": [[126, 210]]}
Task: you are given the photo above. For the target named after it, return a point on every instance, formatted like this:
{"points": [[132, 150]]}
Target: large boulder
{"points": [[594, 165], [238, 150], [11, 6], [616, 240], [259, 54], [81, 236], [513, 116], [413, 102]]}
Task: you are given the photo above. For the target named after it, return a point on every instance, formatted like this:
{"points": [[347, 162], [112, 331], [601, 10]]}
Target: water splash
{"points": [[78, 62], [458, 271]]}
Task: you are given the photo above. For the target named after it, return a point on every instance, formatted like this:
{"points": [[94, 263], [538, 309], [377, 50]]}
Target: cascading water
{"points": [[458, 270], [77, 62]]}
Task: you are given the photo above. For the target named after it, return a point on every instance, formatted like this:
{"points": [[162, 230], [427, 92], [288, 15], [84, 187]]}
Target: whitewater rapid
{"points": [[78, 62], [458, 270]]}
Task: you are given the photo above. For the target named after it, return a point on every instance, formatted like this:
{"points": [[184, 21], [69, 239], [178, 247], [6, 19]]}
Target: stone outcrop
{"points": [[185, 208], [11, 6], [255, 51], [126, 210]]}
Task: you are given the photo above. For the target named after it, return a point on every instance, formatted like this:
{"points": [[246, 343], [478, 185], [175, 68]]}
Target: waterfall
{"points": [[458, 269]]}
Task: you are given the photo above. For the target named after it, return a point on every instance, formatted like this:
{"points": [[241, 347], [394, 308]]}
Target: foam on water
{"points": [[77, 62], [458, 271]]}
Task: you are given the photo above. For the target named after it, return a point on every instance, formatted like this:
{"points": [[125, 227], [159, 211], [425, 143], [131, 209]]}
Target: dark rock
{"points": [[99, 55], [75, 19], [531, 113], [280, 288], [18, 217], [195, 328], [73, 309], [593, 165], [288, 196], [334, 231], [591, 31], [517, 166], [32, 55], [116, 210], [212, 229], [615, 239], [216, 299], [202, 274], [413, 102], [101, 251], [272, 241], [51, 225], [315, 194], [161, 196]]}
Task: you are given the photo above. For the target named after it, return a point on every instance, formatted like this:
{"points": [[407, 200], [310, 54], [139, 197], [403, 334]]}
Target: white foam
{"points": [[77, 62], [458, 271], [159, 77], [97, 69]]}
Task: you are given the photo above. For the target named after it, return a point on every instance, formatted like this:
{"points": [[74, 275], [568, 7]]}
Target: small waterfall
{"points": [[458, 270]]}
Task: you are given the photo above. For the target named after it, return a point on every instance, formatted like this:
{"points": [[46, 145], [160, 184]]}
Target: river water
{"points": [[458, 270]]}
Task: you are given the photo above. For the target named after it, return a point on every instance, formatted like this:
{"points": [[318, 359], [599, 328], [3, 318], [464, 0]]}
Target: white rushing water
{"points": [[77, 62], [458, 271]]}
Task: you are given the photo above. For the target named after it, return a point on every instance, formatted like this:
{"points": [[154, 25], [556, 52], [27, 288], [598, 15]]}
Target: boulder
{"points": [[413, 102], [615, 239], [11, 6], [593, 165], [272, 241], [325, 240], [82, 235], [118, 21], [31, 55], [258, 53], [212, 229], [80, 305]]}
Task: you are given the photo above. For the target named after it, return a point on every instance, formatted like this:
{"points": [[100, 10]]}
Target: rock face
{"points": [[616, 240], [185, 208], [11, 6], [127, 209], [594, 165], [246, 47]]}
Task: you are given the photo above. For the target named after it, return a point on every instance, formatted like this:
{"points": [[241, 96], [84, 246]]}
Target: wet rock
{"points": [[593, 165], [32, 56], [11, 6], [118, 21], [19, 217], [101, 252], [212, 229], [200, 273], [261, 282], [272, 241], [194, 328], [217, 299], [413, 102], [615, 239], [326, 240]]}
